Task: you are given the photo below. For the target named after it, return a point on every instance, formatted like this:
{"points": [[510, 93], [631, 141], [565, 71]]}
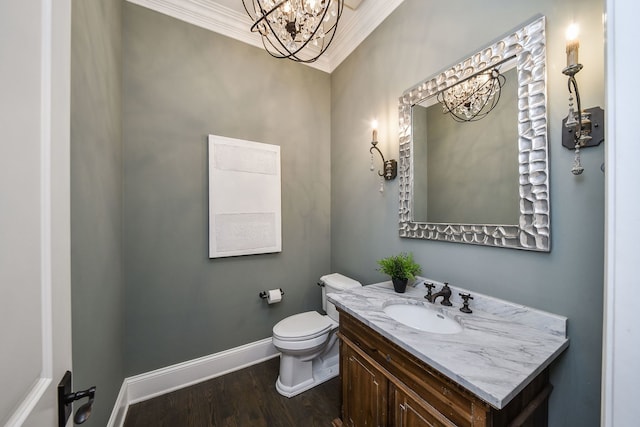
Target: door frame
{"points": [[621, 340]]}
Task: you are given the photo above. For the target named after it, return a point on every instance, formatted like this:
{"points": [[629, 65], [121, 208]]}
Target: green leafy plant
{"points": [[400, 266]]}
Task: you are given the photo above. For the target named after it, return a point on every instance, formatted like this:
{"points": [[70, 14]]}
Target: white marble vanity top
{"points": [[502, 347]]}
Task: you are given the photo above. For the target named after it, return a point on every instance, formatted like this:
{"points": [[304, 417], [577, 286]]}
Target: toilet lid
{"points": [[302, 326]]}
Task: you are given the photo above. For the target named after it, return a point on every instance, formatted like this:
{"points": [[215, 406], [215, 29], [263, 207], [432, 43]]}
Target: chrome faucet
{"points": [[445, 293]]}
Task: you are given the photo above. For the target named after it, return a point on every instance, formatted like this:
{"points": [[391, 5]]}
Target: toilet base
{"points": [[297, 376]]}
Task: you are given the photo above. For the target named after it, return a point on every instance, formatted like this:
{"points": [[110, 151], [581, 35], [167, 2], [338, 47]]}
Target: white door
{"points": [[35, 310], [621, 361]]}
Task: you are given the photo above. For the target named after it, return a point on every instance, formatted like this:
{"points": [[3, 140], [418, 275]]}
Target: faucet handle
{"points": [[465, 303], [429, 287]]}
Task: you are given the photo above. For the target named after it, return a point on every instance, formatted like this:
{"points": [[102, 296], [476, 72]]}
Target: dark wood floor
{"points": [[245, 398]]}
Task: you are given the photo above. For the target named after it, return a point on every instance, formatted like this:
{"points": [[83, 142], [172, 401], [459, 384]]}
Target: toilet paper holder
{"points": [[264, 294]]}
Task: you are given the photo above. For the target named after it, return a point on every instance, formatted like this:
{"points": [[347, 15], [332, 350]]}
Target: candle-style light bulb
{"points": [[572, 45], [374, 126]]}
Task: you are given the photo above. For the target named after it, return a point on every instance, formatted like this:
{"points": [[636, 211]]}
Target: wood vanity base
{"points": [[384, 385]]}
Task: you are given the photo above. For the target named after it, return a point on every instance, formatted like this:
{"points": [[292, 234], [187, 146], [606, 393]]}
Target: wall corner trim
{"points": [[164, 380]]}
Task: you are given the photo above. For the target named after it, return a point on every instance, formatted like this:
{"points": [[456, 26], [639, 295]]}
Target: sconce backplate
{"points": [[390, 169], [595, 129]]}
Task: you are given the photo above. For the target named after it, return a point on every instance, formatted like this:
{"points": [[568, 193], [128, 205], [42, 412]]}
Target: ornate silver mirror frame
{"points": [[528, 47]]}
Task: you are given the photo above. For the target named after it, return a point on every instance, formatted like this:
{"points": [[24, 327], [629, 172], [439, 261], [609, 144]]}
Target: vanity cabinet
{"points": [[365, 390], [410, 410], [384, 385]]}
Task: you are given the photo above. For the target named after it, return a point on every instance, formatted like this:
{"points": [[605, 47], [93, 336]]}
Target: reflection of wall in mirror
{"points": [[421, 178], [468, 170]]}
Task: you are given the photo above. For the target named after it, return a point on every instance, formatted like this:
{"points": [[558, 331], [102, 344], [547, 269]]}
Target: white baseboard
{"points": [[155, 383], [119, 411]]}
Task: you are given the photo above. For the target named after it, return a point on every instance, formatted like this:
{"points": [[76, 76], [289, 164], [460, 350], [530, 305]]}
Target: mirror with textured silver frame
{"points": [[466, 172], [530, 230]]}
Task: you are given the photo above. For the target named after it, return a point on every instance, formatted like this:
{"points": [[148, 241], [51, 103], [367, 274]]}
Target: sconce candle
{"points": [[572, 45], [374, 125]]}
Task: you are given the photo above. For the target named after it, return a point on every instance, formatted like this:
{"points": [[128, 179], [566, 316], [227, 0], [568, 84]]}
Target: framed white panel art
{"points": [[245, 212]]}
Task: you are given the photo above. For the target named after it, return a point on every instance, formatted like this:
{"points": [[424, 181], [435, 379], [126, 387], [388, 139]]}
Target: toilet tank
{"points": [[335, 282]]}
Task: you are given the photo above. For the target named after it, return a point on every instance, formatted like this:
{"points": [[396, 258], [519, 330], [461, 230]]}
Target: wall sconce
{"points": [[581, 128], [390, 167]]}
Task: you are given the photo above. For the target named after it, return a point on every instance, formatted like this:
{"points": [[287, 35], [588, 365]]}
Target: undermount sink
{"points": [[422, 318]]}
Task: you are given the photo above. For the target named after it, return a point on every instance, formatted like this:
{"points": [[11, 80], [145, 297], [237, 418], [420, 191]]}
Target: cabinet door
{"points": [[409, 410], [364, 391]]}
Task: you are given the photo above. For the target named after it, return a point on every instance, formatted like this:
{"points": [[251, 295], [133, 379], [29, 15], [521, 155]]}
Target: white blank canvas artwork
{"points": [[244, 198]]}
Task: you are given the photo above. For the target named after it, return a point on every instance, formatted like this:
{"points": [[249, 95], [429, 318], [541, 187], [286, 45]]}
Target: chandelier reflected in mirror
{"points": [[472, 99], [300, 30]]}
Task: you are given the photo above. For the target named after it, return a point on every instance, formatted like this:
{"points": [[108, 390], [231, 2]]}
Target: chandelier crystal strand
{"points": [[300, 30], [473, 98], [381, 184]]}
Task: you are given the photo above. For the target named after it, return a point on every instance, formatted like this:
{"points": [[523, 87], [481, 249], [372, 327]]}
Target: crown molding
{"points": [[356, 28], [208, 14]]}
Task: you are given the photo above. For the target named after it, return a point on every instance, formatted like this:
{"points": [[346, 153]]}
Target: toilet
{"points": [[308, 343]]}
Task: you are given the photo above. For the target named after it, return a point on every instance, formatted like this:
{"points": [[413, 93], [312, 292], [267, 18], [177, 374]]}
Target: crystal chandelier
{"points": [[300, 30], [473, 98]]}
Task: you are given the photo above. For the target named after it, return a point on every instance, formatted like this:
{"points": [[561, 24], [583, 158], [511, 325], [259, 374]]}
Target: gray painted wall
{"points": [[417, 40], [182, 83], [96, 202]]}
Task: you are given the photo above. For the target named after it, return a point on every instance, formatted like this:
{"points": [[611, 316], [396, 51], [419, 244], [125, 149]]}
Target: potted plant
{"points": [[400, 268]]}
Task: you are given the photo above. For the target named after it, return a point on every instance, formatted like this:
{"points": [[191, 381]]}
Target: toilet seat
{"points": [[303, 327], [303, 332]]}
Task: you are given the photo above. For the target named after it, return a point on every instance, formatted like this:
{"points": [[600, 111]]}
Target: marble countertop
{"points": [[502, 347]]}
